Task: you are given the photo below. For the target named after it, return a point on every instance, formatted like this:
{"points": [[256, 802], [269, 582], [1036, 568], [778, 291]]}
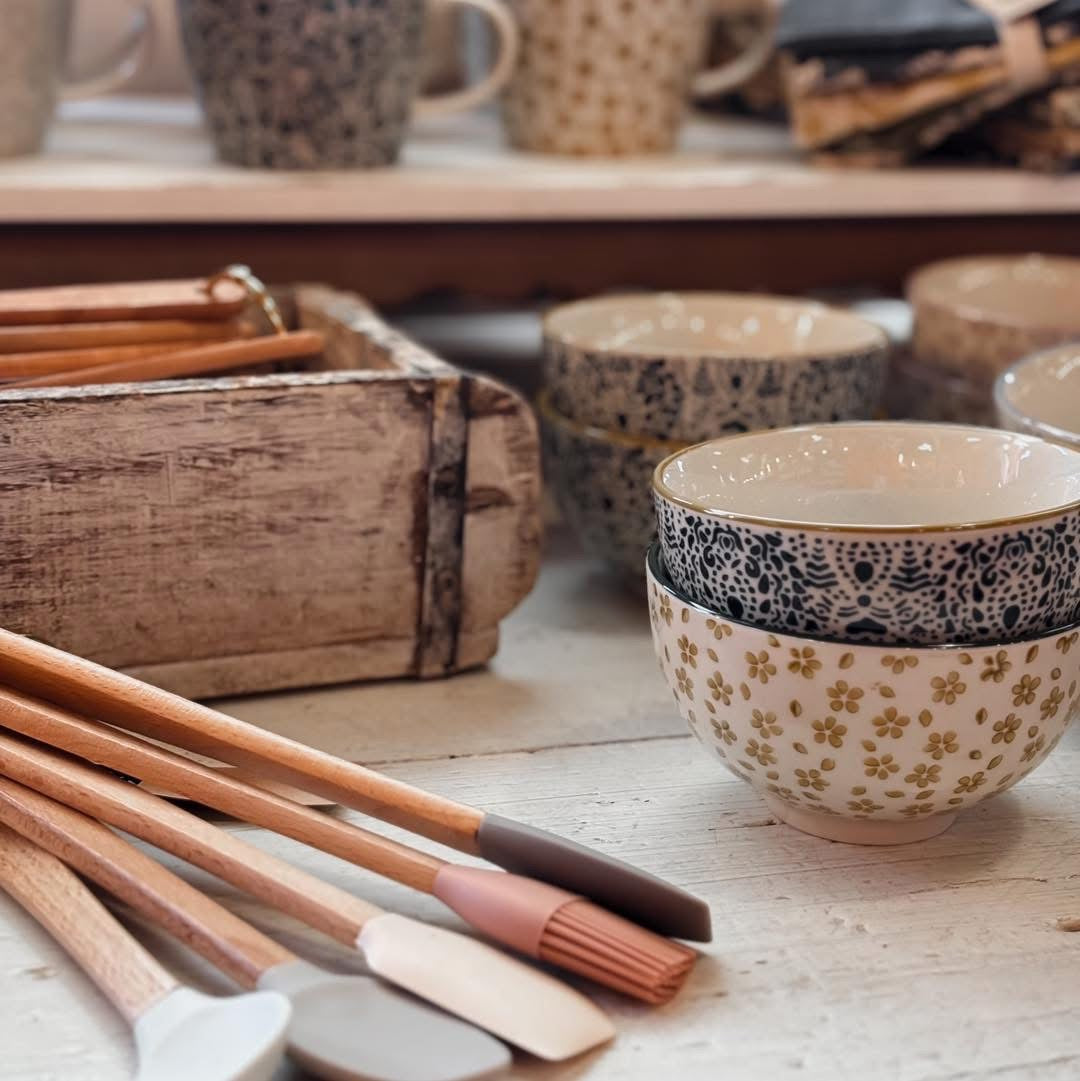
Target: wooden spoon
{"points": [[179, 1032]]}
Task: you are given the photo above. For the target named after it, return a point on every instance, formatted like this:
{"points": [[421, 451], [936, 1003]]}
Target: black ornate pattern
{"points": [[922, 589]]}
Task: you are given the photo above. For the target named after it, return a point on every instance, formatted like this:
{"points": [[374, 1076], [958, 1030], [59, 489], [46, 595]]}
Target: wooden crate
{"points": [[373, 516]]}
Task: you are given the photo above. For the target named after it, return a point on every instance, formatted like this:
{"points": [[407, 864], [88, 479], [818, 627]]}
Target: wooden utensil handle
{"points": [[188, 362], [316, 903], [31, 365], [141, 882], [97, 691], [93, 335], [127, 975], [135, 757]]}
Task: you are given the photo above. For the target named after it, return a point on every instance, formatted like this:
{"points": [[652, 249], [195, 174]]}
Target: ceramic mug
{"points": [[612, 77], [289, 84], [33, 52]]}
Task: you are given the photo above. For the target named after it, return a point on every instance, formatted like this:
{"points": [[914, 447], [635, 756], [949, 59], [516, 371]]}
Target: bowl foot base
{"points": [[856, 831]]}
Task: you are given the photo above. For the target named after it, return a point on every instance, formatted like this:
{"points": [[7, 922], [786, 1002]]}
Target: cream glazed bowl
{"points": [[888, 532], [1041, 395], [692, 366], [857, 743]]}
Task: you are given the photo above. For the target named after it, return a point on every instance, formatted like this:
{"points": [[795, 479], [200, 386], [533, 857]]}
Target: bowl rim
{"points": [[657, 571], [665, 493], [1036, 427], [972, 313], [877, 340], [603, 435]]}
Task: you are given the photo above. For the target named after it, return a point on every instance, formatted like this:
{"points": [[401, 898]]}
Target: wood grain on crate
{"points": [[245, 533]]}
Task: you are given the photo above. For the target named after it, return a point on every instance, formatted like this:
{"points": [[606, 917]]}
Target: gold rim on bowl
{"points": [[604, 435], [878, 530]]}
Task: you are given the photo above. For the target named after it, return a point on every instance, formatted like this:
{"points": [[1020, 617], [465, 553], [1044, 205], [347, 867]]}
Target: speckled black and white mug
{"points": [[321, 84]]}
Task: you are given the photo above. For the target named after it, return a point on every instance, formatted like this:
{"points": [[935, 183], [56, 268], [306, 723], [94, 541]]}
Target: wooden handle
{"points": [[185, 299], [135, 757], [30, 365], [316, 903], [127, 975], [187, 362], [96, 691], [93, 335], [141, 882]]}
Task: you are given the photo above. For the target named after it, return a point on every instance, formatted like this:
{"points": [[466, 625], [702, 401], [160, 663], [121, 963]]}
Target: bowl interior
{"points": [[1045, 389], [887, 475], [1029, 290], [712, 324]]}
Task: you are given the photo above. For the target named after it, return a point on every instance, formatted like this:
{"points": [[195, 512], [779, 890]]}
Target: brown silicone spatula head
{"points": [[609, 882]]}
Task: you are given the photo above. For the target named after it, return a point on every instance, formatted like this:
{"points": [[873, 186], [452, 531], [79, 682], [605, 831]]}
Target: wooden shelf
{"points": [[146, 160]]}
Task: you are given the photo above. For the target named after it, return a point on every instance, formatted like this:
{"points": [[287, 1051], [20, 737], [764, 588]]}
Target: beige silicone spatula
{"points": [[179, 1032], [343, 1028], [99, 692], [519, 1004]]}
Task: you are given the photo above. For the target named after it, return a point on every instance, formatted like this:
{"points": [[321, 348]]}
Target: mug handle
{"points": [[509, 45], [716, 81], [132, 55]]}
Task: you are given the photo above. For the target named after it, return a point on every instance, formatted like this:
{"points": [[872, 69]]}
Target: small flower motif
{"points": [[759, 667], [829, 731], [922, 775], [688, 651], [720, 690], [1049, 706], [803, 662], [1067, 641], [811, 778], [1033, 749], [995, 667], [1005, 731], [843, 698], [971, 783], [890, 722], [915, 809], [761, 753], [765, 723], [881, 766], [948, 688], [723, 732], [783, 792], [897, 664], [719, 630], [939, 744], [1024, 692], [864, 806], [666, 614], [685, 683]]}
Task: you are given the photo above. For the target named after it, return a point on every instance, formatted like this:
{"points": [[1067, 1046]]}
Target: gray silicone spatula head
{"points": [[609, 882], [188, 1035], [353, 1028]]}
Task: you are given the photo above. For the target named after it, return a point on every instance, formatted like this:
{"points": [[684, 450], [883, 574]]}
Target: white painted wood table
{"points": [[933, 962]]}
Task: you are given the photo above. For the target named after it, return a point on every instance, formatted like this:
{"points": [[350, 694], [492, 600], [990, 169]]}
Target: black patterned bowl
{"points": [[890, 532], [693, 366], [601, 482]]}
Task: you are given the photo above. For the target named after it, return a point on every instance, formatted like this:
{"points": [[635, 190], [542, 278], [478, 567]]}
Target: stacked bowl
{"points": [[631, 379], [875, 625]]}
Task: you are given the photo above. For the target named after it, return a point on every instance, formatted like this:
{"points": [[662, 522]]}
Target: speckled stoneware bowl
{"points": [[601, 481], [857, 743], [1041, 395], [975, 316], [693, 366], [891, 532]]}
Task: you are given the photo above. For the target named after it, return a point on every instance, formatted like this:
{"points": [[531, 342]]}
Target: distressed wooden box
{"points": [[372, 516]]}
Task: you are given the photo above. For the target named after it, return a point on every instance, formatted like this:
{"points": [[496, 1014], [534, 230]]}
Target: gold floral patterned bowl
{"points": [[864, 744]]}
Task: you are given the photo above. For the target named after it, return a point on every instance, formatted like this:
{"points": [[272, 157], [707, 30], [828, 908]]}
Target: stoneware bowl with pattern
{"points": [[857, 743], [890, 532], [601, 482], [975, 316], [1041, 395], [694, 366]]}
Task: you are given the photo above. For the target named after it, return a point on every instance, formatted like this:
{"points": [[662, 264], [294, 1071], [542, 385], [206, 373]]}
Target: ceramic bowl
{"points": [[976, 316], [858, 743], [888, 532], [601, 482], [1041, 395], [692, 366], [920, 391]]}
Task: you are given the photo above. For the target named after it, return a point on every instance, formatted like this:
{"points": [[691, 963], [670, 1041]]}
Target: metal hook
{"points": [[258, 292]]}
